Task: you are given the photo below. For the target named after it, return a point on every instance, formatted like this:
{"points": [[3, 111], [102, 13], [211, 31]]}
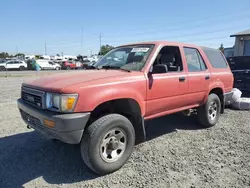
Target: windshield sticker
{"points": [[139, 49]]}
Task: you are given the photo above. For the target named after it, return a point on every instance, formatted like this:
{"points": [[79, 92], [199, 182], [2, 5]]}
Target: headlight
{"points": [[63, 103]]}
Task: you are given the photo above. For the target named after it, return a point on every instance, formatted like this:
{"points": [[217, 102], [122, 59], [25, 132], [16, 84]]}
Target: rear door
{"points": [[198, 75], [50, 65], [17, 64]]}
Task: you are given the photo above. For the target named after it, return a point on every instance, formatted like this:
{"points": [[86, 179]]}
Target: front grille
{"points": [[32, 96], [31, 119], [36, 100]]}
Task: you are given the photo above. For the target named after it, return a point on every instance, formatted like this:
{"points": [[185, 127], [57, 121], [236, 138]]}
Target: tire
{"points": [[68, 68], [57, 68], [2, 68], [21, 68], [97, 141], [206, 113]]}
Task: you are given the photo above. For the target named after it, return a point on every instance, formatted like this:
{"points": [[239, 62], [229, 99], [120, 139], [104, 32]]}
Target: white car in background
{"points": [[94, 58], [13, 65], [47, 65]]}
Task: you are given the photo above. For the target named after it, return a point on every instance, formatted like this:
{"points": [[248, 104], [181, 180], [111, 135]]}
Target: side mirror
{"points": [[159, 68]]}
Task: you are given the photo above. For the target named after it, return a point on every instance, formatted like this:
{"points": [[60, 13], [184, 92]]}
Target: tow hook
{"points": [[29, 127]]}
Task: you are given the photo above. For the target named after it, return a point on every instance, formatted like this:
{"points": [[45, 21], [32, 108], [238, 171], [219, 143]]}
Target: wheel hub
{"points": [[212, 111], [113, 145]]}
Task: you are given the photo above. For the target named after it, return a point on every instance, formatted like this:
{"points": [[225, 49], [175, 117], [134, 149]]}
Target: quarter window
{"points": [[215, 58], [194, 60]]}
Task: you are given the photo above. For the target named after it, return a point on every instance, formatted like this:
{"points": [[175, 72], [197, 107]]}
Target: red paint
{"points": [[157, 94]]}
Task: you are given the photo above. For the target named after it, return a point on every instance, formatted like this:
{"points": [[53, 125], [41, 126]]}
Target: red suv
{"points": [[104, 110]]}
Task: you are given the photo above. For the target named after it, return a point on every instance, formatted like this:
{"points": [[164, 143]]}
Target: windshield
{"points": [[130, 58], [2, 61]]}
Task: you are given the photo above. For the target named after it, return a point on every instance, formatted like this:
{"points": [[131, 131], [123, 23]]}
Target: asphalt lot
{"points": [[178, 153]]}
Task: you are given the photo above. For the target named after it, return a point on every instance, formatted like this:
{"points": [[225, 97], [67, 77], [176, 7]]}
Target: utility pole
{"points": [[45, 47], [81, 41], [100, 37], [16, 50]]}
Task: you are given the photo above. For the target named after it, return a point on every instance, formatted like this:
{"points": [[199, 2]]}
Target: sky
{"points": [[73, 27]]}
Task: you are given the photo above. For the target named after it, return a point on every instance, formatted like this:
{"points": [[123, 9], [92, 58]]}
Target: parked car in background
{"points": [[13, 65], [94, 58], [47, 65], [2, 60], [87, 65], [240, 66], [104, 110], [71, 65]]}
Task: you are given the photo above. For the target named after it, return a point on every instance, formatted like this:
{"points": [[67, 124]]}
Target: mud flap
{"points": [[140, 132]]}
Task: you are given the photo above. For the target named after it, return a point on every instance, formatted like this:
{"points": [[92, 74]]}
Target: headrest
{"points": [[165, 58], [138, 58]]}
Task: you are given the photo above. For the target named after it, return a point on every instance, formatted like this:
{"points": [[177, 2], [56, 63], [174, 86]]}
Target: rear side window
{"points": [[215, 58], [194, 60]]}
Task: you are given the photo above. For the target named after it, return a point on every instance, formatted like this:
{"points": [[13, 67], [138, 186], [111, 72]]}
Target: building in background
{"points": [[242, 43]]}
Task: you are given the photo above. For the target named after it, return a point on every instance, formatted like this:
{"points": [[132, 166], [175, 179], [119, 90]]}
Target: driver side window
{"points": [[170, 58]]}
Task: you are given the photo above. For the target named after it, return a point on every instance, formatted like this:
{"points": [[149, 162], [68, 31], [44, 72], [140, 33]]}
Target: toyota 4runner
{"points": [[104, 109]]}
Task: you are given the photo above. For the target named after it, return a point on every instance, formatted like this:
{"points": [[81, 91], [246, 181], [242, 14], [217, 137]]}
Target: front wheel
{"points": [[57, 68], [108, 143], [208, 114]]}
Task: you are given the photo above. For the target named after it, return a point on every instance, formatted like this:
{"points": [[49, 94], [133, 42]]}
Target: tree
{"points": [[105, 49], [20, 55], [4, 55], [221, 48]]}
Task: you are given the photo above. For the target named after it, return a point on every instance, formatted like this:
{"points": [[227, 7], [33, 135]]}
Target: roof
{"points": [[165, 43], [246, 32]]}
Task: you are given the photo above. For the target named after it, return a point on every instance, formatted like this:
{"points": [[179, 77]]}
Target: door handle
{"points": [[207, 77], [182, 79]]}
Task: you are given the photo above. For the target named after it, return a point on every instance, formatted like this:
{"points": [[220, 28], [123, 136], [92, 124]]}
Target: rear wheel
{"points": [[68, 68], [57, 68], [108, 143], [21, 68], [208, 114]]}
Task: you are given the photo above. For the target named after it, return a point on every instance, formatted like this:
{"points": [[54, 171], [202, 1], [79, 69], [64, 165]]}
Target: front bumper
{"points": [[68, 127]]}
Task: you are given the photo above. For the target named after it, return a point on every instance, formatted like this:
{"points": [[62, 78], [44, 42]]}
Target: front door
{"points": [[10, 65], [167, 91]]}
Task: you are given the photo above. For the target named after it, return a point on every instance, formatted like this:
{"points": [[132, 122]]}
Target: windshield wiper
{"points": [[114, 67]]}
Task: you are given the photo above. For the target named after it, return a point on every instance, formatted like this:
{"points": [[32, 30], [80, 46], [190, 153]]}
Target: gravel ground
{"points": [[178, 153]]}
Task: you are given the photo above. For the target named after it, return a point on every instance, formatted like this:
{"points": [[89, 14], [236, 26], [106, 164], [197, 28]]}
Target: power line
{"points": [[201, 19], [178, 27]]}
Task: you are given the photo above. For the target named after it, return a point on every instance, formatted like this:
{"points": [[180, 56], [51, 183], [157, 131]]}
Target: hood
{"points": [[56, 82]]}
